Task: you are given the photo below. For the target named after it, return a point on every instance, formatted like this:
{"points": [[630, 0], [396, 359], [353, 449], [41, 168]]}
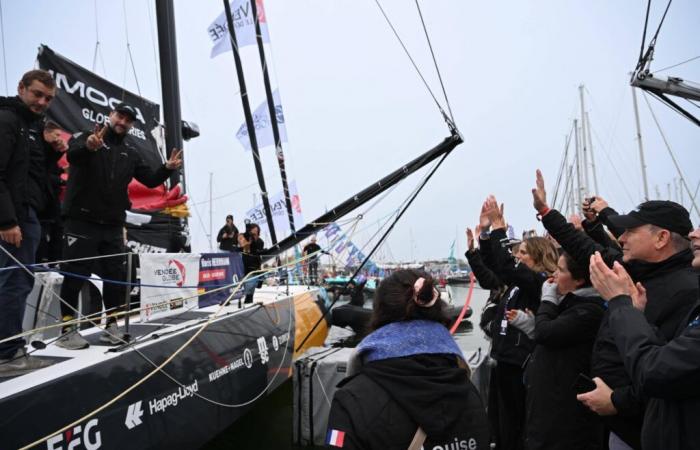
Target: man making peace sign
{"points": [[102, 164]]}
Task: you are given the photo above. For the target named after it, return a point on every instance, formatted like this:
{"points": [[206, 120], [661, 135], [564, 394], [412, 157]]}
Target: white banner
{"points": [[169, 282], [279, 214], [263, 125], [242, 15], [334, 241]]}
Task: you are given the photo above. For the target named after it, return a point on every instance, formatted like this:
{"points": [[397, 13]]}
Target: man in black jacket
{"points": [[666, 372], [22, 172], [228, 235], [657, 254], [101, 166]]}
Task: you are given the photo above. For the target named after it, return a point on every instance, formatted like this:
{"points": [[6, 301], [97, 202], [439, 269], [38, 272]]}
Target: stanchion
{"points": [[127, 300]]}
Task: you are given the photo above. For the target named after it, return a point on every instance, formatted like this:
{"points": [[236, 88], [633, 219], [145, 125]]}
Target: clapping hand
{"points": [[494, 213], [611, 283], [470, 239]]}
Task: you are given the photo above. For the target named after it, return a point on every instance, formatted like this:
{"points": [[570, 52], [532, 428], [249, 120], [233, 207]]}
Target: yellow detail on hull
{"points": [[306, 313]]}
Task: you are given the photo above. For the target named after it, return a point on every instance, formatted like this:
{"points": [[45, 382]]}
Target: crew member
{"points": [[102, 164], [228, 235], [313, 249]]}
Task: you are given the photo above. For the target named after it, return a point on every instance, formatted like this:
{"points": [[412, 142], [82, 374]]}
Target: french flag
{"points": [[335, 438]]}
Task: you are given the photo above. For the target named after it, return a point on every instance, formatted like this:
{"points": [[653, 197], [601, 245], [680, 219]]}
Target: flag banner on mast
{"points": [[263, 125], [84, 99], [242, 15], [342, 249], [279, 213]]}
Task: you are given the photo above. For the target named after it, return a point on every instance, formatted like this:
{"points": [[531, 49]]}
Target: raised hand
{"points": [[575, 220], [495, 212], [598, 204], [96, 139], [539, 195], [175, 160], [470, 239], [588, 212], [484, 221]]}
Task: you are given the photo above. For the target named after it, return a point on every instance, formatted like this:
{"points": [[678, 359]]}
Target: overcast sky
{"points": [[355, 109]]}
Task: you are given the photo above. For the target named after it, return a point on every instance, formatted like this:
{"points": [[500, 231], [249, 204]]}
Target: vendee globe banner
{"points": [[168, 282], [215, 271], [84, 99], [279, 213], [242, 15]]}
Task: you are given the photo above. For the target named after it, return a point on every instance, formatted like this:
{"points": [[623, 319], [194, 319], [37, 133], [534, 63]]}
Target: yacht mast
{"points": [[249, 123], [641, 147]]}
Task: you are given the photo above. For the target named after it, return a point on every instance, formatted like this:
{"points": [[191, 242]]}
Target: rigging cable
{"points": [[437, 69], [679, 64], [376, 246], [415, 66], [4, 55], [644, 35], [128, 50], [673, 157]]}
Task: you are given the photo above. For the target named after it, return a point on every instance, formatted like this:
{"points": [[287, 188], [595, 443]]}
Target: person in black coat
{"points": [[228, 235], [408, 378], [102, 164], [564, 330], [656, 253], [666, 372], [22, 173], [511, 347]]}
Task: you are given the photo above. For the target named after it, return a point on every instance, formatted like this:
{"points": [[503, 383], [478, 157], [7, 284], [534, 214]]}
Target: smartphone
{"points": [[583, 384]]}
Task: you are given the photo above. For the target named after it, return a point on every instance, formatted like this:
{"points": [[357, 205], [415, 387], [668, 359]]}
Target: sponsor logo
{"points": [[76, 438], [133, 415], [262, 347], [71, 240], [215, 262], [246, 360], [275, 343], [138, 247], [159, 405], [173, 273]]}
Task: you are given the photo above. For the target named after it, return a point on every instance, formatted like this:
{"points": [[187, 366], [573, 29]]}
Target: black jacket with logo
{"points": [[21, 161], [382, 406], [564, 336], [666, 372], [98, 180]]}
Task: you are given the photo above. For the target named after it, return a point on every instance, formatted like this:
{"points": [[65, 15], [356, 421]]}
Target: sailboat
{"points": [[188, 373]]}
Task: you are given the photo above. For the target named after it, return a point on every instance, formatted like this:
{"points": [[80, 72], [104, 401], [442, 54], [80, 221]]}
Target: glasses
{"points": [[39, 95]]}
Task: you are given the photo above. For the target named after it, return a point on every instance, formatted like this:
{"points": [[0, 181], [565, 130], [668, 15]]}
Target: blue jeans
{"points": [[16, 284]]}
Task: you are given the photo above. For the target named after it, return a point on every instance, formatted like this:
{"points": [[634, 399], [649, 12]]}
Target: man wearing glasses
{"points": [[22, 176]]}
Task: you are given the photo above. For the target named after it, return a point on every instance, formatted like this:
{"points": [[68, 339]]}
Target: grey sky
{"points": [[356, 109]]}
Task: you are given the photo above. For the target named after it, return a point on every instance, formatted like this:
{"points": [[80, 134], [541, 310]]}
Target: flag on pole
{"points": [[263, 125], [242, 15]]}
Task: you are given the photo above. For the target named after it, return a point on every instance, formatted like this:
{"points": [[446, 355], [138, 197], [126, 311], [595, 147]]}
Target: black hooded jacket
{"points": [[382, 406], [98, 180], [666, 372], [22, 165]]}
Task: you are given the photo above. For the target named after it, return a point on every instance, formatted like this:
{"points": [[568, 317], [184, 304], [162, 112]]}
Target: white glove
{"points": [[549, 293]]}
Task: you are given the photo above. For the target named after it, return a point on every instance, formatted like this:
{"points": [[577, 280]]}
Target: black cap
{"points": [[662, 213], [127, 109]]}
